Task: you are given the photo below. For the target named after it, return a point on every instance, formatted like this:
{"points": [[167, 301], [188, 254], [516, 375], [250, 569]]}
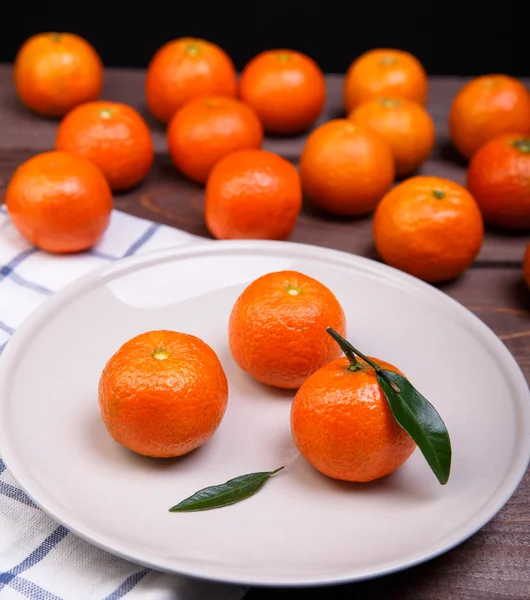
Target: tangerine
{"points": [[185, 69], [429, 227], [163, 394], [286, 88], [346, 167], [60, 202], [404, 124], [277, 328], [387, 73], [207, 129], [54, 72], [253, 194], [485, 107], [342, 423], [112, 135], [499, 179]]}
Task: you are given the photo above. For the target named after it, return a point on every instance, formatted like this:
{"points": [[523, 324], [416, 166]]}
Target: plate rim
{"points": [[120, 267]]}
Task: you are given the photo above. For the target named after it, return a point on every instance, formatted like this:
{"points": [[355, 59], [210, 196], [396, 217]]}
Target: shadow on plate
{"points": [[397, 484], [110, 451]]}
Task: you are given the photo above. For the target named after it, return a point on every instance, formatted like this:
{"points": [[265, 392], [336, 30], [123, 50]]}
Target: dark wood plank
{"points": [[168, 197]]}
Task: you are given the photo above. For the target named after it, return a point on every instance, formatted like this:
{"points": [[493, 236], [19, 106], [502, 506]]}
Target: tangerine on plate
{"points": [[163, 394], [286, 88], [207, 129], [253, 194], [499, 179], [346, 167], [113, 136], [404, 124], [342, 423], [485, 107], [185, 69], [387, 73], [277, 328], [54, 72], [60, 202], [429, 227]]}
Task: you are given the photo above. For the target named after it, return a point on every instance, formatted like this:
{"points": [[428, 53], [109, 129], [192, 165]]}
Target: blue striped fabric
{"points": [[40, 559]]}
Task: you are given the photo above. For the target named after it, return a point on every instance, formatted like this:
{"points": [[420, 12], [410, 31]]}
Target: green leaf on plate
{"points": [[420, 420], [224, 494], [412, 411]]}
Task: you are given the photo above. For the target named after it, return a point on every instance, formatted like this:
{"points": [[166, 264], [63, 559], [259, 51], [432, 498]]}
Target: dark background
{"points": [[459, 38]]}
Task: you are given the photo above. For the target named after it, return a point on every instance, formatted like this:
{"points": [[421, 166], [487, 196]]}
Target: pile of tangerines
{"points": [[164, 393], [427, 226]]}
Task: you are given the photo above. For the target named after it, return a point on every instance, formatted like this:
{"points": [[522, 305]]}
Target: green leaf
{"points": [[420, 420], [232, 491]]}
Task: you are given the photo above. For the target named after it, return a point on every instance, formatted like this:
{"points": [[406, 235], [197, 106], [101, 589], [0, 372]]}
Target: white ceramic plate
{"points": [[302, 528]]}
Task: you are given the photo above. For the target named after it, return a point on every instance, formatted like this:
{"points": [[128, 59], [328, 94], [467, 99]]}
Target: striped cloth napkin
{"points": [[40, 559]]}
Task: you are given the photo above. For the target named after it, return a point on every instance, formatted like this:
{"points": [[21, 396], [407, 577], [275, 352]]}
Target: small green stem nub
{"points": [[293, 290], [389, 102], [160, 354], [438, 194], [388, 60], [193, 49], [283, 57], [105, 113], [522, 144]]}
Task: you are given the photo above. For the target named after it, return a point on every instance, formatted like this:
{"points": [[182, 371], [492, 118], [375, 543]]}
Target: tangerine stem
{"points": [[346, 347], [350, 351]]}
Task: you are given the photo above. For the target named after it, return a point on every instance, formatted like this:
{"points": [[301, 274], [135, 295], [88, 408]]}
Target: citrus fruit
{"points": [[286, 88], [60, 202], [499, 179], [346, 167], [384, 72], [404, 124], [253, 194], [185, 69], [113, 136], [485, 107], [163, 394], [207, 129], [342, 423], [429, 227], [277, 328], [54, 72], [526, 265]]}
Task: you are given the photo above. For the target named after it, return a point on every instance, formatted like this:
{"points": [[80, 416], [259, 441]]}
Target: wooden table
{"points": [[495, 563]]}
